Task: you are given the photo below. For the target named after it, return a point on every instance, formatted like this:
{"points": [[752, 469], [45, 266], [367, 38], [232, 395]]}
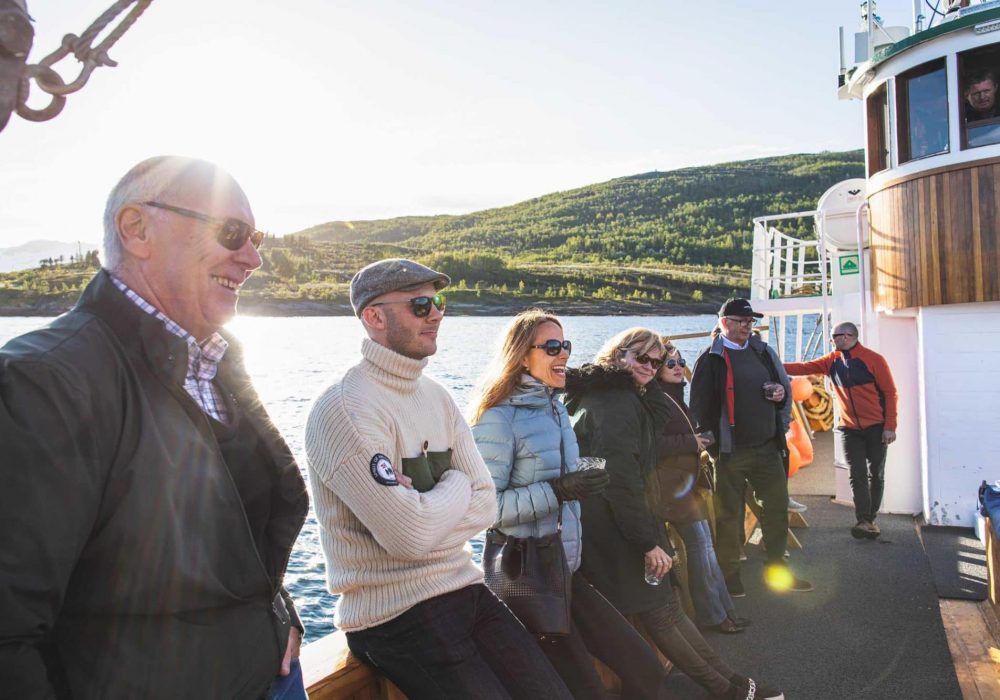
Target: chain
{"points": [[91, 57]]}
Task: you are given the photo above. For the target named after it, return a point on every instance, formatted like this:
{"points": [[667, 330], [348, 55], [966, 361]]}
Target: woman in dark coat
{"points": [[678, 449], [617, 410]]}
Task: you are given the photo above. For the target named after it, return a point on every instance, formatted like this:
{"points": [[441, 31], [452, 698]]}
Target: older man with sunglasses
{"points": [[739, 391], [149, 505], [400, 487]]}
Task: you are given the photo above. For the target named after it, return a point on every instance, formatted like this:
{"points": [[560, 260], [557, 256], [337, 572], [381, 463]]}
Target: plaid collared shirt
{"points": [[203, 360]]}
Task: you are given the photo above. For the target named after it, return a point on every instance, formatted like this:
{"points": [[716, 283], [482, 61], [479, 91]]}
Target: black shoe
{"points": [[735, 586], [751, 690], [727, 626], [859, 531]]}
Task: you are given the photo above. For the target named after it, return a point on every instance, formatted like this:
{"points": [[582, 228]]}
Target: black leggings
{"points": [[681, 642], [600, 630]]}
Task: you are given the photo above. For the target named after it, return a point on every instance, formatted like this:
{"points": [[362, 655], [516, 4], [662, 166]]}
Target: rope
{"points": [[819, 407], [49, 81]]}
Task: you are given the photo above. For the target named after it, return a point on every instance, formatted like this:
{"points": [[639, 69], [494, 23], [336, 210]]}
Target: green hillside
{"points": [[692, 216], [677, 241]]}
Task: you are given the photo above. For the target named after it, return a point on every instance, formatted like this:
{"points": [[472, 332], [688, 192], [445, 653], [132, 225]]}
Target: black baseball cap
{"points": [[738, 306]]}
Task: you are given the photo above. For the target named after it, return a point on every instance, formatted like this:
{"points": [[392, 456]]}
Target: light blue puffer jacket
{"points": [[519, 441]]}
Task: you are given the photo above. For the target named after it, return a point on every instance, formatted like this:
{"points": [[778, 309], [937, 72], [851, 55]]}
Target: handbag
{"points": [[531, 575], [705, 477]]}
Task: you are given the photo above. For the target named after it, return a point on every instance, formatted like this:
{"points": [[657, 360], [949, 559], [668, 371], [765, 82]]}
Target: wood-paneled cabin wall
{"points": [[935, 237]]}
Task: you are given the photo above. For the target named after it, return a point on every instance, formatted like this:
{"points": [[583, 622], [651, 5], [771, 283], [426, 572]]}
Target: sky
{"points": [[359, 109]]}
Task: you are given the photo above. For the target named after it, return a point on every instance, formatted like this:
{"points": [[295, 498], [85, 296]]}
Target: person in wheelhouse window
{"points": [[981, 96]]}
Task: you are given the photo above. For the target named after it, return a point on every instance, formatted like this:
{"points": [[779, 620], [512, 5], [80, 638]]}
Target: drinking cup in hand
{"points": [[651, 578], [585, 463]]}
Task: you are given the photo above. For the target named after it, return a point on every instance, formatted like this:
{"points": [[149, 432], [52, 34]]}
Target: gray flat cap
{"points": [[391, 275]]}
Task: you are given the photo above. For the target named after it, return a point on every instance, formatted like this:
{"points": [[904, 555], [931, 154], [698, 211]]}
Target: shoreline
{"points": [[304, 307]]}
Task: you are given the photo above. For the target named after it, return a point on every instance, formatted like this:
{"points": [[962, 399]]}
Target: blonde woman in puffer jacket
{"points": [[524, 435]]}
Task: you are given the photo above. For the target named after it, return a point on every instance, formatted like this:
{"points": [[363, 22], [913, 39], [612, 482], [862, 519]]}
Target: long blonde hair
{"points": [[505, 373], [638, 340]]}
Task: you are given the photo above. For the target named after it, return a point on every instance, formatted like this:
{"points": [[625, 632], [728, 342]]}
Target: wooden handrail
{"points": [[331, 672]]}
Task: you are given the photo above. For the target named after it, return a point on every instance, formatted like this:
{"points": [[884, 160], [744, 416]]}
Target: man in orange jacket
{"points": [[868, 400]]}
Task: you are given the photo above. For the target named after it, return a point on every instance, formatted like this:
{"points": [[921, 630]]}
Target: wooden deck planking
{"points": [[974, 649]]}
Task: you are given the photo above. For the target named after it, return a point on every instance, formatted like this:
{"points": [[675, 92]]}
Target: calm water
{"points": [[292, 359]]}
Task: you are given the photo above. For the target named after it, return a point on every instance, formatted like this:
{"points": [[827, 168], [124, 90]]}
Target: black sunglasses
{"points": [[553, 347], [671, 363], [420, 306], [232, 234], [842, 335], [654, 362]]}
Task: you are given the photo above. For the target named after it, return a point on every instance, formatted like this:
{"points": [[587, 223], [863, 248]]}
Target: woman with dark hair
{"points": [[617, 411], [679, 449], [525, 437]]}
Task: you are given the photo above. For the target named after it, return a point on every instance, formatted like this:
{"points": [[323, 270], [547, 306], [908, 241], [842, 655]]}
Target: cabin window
{"points": [[979, 70], [878, 129], [922, 105]]}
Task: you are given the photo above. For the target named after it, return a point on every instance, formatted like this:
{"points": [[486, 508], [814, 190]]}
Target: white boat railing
{"points": [[796, 271], [782, 264]]}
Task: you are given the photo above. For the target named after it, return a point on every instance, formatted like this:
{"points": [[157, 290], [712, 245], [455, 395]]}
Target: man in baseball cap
{"points": [[400, 487], [740, 391], [739, 307]]}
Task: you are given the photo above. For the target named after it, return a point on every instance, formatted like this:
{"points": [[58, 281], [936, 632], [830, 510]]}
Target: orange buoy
{"points": [[802, 388], [798, 437], [794, 459]]}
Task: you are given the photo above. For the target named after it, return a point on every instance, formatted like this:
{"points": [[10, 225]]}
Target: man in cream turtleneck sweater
{"points": [[399, 488]]}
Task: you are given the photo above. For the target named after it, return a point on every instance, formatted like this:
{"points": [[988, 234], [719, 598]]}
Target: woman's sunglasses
{"points": [[232, 234], [553, 347], [420, 306], [653, 362], [671, 363]]}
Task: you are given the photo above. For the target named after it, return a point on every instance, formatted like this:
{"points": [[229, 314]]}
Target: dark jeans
{"points": [[601, 631], [290, 687], [463, 644], [681, 642], [865, 453], [763, 467]]}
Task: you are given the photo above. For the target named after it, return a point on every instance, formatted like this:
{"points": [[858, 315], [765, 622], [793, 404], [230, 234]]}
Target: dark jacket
{"points": [[613, 420], [678, 463], [128, 568], [708, 394]]}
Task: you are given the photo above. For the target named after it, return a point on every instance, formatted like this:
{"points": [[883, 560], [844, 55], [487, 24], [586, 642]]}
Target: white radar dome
{"points": [[838, 217]]}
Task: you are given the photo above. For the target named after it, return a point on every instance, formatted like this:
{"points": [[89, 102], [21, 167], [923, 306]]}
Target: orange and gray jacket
{"points": [[863, 383]]}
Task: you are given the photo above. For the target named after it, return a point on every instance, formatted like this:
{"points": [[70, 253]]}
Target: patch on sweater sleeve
{"points": [[382, 470]]}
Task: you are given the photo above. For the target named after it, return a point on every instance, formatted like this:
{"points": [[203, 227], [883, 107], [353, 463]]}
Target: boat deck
{"points": [[874, 626]]}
